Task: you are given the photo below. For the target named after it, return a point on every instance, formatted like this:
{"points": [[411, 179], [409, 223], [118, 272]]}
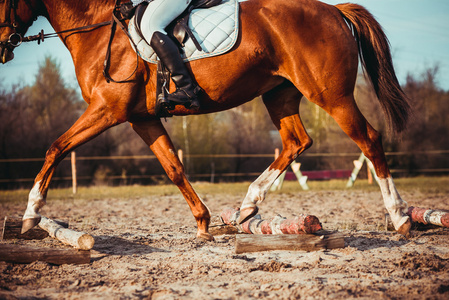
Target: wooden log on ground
{"points": [[26, 254], [301, 224], [294, 242], [12, 227], [79, 240]]}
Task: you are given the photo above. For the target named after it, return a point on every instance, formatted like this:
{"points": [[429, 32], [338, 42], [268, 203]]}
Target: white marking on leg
{"points": [[259, 188], [35, 202], [396, 207]]}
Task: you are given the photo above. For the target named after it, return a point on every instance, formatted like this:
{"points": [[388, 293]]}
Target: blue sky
{"points": [[418, 31]]}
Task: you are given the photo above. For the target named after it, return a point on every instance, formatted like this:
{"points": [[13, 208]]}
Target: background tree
{"points": [[32, 117], [428, 129]]}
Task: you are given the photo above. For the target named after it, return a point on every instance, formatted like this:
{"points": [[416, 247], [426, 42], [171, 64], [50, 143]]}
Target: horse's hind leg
{"points": [[283, 106], [154, 134], [354, 124], [94, 121]]}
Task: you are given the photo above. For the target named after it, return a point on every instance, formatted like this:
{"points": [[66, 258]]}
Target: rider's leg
{"points": [[159, 15]]}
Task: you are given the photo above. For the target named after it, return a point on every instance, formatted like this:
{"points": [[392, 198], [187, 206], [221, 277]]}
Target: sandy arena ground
{"points": [[145, 248]]}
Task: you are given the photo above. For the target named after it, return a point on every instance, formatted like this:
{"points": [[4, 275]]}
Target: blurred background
{"points": [[40, 100]]}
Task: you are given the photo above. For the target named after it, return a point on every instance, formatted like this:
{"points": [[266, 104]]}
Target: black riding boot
{"points": [[186, 89]]}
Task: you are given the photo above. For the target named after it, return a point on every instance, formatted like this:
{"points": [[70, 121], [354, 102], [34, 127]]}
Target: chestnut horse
{"points": [[286, 49]]}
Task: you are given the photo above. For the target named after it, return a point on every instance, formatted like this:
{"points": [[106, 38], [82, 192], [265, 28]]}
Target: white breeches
{"points": [[159, 14]]}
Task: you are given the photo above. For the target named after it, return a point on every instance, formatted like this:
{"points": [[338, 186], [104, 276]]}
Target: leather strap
{"points": [[107, 61]]}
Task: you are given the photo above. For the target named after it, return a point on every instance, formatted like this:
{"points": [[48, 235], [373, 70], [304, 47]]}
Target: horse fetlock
{"points": [[203, 229], [36, 201], [203, 222], [396, 207], [35, 196]]}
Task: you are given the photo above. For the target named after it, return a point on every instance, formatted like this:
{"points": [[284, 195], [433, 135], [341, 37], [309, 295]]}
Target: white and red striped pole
{"points": [[301, 224], [429, 216]]}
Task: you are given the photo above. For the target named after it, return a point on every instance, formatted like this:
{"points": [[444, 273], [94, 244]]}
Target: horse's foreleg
{"points": [[154, 134], [94, 121], [354, 124], [283, 106]]}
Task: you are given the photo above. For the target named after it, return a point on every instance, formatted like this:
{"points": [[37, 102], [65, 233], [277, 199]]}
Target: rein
{"points": [[15, 39], [41, 36]]}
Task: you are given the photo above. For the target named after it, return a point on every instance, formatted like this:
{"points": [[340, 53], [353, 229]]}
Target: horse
{"points": [[286, 50]]}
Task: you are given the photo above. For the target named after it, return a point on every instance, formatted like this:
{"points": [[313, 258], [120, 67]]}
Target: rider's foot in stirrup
{"points": [[189, 99]]}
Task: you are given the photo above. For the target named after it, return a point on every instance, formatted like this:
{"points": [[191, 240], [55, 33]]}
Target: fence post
{"points": [[357, 166], [73, 162]]}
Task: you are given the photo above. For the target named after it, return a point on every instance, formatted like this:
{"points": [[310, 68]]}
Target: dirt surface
{"points": [[146, 248]]}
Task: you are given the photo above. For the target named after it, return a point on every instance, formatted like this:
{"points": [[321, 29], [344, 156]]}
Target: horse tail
{"points": [[374, 52]]}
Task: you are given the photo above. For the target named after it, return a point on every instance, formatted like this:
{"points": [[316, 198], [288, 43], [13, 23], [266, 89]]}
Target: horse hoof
{"points": [[28, 224], [205, 236], [405, 229], [247, 213]]}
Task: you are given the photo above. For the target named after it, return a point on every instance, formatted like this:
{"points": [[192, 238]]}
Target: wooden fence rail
{"points": [[268, 155], [75, 177]]}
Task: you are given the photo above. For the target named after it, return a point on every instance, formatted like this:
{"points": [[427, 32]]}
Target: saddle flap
{"points": [[215, 29]]}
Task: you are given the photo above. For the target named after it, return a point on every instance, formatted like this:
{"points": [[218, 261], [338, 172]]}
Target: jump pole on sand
{"points": [[12, 229], [303, 232], [301, 224], [423, 217], [77, 239], [81, 241]]}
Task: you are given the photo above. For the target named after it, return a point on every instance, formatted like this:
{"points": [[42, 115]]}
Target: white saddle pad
{"points": [[215, 28]]}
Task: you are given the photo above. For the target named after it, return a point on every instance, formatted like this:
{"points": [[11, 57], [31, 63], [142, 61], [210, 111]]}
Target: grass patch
{"points": [[435, 185], [120, 192]]}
